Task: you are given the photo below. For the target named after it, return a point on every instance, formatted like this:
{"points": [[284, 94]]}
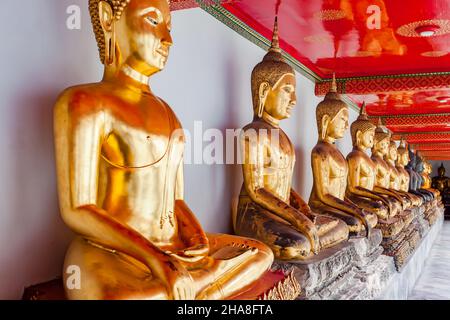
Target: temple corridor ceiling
{"points": [[391, 54]]}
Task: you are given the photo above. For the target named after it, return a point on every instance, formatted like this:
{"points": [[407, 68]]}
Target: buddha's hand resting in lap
{"points": [[191, 254], [197, 249], [179, 282]]}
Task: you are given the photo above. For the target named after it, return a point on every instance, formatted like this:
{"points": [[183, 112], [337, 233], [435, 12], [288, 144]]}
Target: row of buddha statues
{"points": [[120, 176]]}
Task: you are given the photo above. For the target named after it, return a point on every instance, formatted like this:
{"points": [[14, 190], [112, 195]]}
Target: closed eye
{"points": [[152, 21]]}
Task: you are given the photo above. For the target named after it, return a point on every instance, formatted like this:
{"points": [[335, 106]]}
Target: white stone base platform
{"points": [[402, 283], [357, 270]]}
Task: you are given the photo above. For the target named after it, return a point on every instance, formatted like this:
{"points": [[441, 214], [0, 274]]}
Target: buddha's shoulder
{"points": [[256, 125], [80, 96], [322, 148]]}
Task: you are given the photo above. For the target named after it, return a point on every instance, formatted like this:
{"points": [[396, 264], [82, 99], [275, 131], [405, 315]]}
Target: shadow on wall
{"points": [[39, 250], [47, 58]]}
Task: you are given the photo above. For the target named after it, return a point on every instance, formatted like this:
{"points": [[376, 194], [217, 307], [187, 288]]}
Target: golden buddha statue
{"points": [[395, 176], [330, 169], [401, 162], [382, 170], [119, 153], [361, 176], [269, 209], [427, 182]]}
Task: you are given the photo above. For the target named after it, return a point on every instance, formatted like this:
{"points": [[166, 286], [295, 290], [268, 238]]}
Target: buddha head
{"points": [[441, 170], [135, 33], [392, 154], [273, 83], [403, 156], [362, 130], [332, 115], [382, 139]]}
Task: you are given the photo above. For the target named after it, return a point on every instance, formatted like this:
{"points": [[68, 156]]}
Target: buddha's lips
{"points": [[164, 53]]}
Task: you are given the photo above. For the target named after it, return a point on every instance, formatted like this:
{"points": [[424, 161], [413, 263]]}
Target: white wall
{"points": [[207, 78]]}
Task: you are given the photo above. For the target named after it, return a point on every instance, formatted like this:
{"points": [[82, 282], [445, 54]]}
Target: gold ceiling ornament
{"points": [[440, 98], [409, 29], [434, 54], [330, 15]]}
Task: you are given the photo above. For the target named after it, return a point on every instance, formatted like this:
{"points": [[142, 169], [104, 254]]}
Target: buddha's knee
{"points": [[106, 275], [294, 247], [264, 254], [372, 219], [334, 236]]}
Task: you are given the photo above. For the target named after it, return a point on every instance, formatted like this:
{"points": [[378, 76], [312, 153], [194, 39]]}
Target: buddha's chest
{"points": [[279, 154], [138, 137], [367, 168], [338, 167]]}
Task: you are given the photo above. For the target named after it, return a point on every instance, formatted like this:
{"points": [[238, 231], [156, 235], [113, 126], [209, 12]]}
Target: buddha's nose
{"points": [[166, 39]]}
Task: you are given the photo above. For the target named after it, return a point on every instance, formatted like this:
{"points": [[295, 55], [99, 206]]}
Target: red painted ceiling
{"points": [[332, 35], [371, 61]]}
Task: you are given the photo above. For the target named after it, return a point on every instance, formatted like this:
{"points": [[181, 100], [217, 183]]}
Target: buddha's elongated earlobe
{"points": [[263, 92], [325, 123], [106, 15]]}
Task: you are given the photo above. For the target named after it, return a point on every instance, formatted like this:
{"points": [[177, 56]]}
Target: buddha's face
{"points": [[338, 125], [143, 35], [281, 99], [382, 146], [403, 158], [392, 152], [365, 139]]}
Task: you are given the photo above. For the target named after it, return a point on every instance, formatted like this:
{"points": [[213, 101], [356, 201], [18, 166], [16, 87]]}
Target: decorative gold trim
{"points": [[409, 30], [287, 289], [330, 15]]}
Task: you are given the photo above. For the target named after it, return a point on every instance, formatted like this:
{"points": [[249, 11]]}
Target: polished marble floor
{"points": [[434, 282]]}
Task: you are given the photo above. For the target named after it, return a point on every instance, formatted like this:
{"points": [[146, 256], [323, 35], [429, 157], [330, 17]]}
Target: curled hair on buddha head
{"points": [[362, 124], [331, 105], [271, 70], [381, 132], [118, 7]]}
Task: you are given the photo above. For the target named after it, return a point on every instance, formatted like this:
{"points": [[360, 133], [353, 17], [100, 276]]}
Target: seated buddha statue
{"points": [[330, 169], [401, 162], [395, 177], [427, 169], [415, 181], [441, 181], [119, 153], [419, 168], [269, 209], [361, 176], [382, 171]]}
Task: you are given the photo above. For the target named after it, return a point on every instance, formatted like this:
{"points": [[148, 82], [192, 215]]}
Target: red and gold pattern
{"points": [[402, 76]]}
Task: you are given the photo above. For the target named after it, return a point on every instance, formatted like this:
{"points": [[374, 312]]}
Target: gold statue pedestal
{"points": [[273, 285]]}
